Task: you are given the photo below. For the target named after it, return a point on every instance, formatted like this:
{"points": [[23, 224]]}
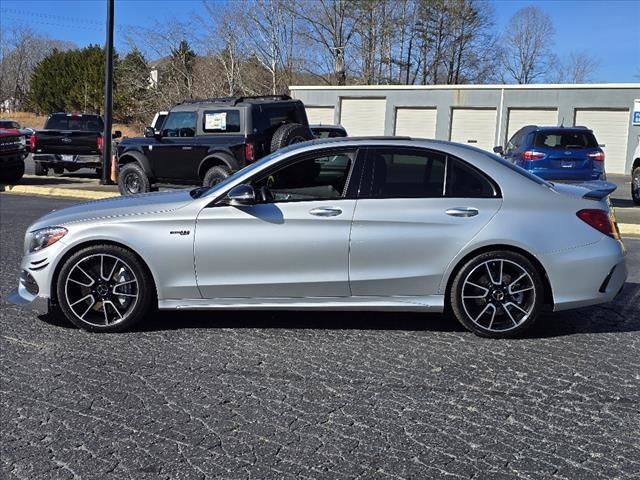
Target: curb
{"points": [[58, 192]]}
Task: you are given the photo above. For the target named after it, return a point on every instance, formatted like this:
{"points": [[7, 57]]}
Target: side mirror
{"points": [[149, 132], [499, 150], [116, 134], [241, 195]]}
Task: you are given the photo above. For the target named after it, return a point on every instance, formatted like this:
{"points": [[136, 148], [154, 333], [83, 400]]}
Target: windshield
{"points": [[9, 124], [201, 192]]}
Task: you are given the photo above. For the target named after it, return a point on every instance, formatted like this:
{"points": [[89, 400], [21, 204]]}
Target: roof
{"points": [[539, 86]]}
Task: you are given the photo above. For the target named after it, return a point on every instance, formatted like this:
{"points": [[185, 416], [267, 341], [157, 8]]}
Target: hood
{"points": [[115, 207]]}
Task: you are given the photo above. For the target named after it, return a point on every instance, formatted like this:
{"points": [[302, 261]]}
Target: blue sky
{"points": [[608, 30]]}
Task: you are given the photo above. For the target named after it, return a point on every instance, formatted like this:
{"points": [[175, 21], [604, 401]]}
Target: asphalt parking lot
{"points": [[315, 395]]}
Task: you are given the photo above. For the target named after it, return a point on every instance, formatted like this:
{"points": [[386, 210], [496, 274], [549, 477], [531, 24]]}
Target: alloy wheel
{"points": [[498, 295], [101, 290]]}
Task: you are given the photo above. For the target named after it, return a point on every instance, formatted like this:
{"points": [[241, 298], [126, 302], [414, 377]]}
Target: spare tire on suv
{"points": [[289, 134]]}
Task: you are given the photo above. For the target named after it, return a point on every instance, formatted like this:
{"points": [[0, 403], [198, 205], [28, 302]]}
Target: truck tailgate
{"points": [[71, 142]]}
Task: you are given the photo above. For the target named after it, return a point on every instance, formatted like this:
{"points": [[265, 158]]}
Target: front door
{"points": [[292, 243], [176, 156], [412, 222]]}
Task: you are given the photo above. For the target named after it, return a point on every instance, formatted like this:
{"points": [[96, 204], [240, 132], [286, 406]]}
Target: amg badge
{"points": [[179, 232]]}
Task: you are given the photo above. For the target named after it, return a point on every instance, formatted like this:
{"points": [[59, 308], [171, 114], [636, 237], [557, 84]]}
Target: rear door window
{"points": [[406, 173], [465, 181], [565, 140]]}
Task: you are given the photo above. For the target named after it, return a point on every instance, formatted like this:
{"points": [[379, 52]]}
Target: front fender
{"points": [[138, 157]]}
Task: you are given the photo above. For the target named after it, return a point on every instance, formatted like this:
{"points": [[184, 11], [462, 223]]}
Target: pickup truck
{"points": [[12, 146], [69, 141]]}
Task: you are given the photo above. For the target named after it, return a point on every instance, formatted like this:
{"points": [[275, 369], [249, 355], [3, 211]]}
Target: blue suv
{"points": [[556, 153]]}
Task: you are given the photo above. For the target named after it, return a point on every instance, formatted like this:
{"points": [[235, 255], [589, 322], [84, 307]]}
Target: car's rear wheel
{"points": [[289, 134], [635, 185], [133, 180], [104, 288], [497, 294], [215, 175]]}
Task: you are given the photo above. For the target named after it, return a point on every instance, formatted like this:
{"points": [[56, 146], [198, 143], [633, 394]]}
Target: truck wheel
{"points": [[40, 169], [215, 175], [133, 180], [289, 134], [13, 174], [58, 170]]}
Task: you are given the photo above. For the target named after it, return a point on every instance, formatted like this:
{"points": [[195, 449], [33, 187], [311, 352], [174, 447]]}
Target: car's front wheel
{"points": [[104, 288], [635, 185], [497, 294], [133, 180]]}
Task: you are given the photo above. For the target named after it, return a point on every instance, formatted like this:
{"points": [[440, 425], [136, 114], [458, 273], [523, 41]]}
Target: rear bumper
{"points": [[79, 161], [587, 275]]}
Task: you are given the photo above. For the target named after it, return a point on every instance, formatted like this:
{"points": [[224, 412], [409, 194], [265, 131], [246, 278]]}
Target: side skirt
{"points": [[430, 303]]}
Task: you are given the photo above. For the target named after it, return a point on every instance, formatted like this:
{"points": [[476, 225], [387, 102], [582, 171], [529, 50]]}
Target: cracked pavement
{"points": [[240, 395]]}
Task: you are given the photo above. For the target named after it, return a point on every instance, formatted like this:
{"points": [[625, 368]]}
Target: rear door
{"points": [[411, 223]]}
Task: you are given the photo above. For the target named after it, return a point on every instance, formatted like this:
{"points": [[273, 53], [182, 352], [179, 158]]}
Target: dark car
{"points": [[204, 141], [69, 141], [12, 147], [556, 153], [328, 131]]}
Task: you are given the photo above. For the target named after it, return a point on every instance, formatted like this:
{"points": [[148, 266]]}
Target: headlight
{"points": [[39, 239], [23, 142]]}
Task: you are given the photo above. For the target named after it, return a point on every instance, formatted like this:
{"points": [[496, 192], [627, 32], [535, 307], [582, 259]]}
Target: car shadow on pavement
{"points": [[622, 203], [620, 316]]}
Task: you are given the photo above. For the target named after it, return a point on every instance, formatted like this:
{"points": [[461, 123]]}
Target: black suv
{"points": [[204, 141]]}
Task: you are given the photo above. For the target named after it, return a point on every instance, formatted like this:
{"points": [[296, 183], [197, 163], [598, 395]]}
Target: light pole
{"points": [[108, 97]]}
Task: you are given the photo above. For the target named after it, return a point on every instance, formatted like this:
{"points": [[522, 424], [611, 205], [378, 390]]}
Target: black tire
{"points": [[289, 134], [108, 297], [12, 174], [132, 180], [635, 185], [40, 170], [59, 170], [496, 310], [215, 175]]}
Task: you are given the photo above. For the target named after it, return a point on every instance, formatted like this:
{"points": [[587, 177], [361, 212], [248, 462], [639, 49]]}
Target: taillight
{"points": [[99, 143], [532, 155], [249, 152], [600, 220], [32, 143], [597, 156]]}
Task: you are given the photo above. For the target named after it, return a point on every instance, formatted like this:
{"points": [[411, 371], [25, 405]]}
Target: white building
{"points": [[482, 115]]}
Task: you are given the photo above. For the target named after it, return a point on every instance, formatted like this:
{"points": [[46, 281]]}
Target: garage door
{"points": [[611, 128], [416, 122], [520, 117], [363, 116], [475, 127], [320, 115]]}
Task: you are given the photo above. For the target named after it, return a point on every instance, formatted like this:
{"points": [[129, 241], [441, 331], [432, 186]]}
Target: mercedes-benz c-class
{"points": [[353, 223]]}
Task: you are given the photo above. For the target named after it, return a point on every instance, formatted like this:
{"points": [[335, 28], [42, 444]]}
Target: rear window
{"points": [[90, 123], [267, 119], [221, 121], [566, 140]]}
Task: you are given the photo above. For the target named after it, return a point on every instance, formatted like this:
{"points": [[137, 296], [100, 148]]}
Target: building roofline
{"points": [[540, 86]]}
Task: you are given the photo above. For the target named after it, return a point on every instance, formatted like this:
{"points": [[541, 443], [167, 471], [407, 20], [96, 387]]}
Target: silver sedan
{"points": [[363, 224]]}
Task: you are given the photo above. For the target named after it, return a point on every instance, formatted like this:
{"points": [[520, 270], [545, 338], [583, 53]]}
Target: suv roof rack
{"points": [[237, 100]]}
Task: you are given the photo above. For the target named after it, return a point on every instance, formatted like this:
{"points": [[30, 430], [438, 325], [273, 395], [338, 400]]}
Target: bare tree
{"points": [[581, 67], [21, 49], [526, 45], [329, 26]]}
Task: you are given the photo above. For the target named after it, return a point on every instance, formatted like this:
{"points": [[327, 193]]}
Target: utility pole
{"points": [[108, 98]]}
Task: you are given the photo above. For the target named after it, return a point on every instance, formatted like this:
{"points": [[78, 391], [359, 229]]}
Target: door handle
{"points": [[326, 211], [462, 212], [187, 148]]}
